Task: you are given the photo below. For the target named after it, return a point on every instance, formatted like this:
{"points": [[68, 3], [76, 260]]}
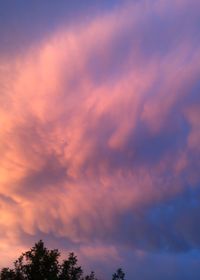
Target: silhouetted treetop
{"points": [[39, 263], [119, 275]]}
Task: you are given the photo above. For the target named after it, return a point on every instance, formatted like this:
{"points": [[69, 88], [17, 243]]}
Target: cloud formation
{"points": [[100, 132]]}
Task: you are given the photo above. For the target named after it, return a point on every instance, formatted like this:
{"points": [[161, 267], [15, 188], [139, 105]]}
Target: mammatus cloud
{"points": [[100, 132]]}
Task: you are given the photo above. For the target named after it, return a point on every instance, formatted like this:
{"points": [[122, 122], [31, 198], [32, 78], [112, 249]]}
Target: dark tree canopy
{"points": [[119, 275], [39, 263], [7, 274], [70, 270]]}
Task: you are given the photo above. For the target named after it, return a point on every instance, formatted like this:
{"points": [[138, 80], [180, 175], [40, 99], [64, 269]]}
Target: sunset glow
{"points": [[100, 133]]}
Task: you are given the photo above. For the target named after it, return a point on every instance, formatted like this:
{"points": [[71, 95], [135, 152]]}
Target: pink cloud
{"points": [[72, 142]]}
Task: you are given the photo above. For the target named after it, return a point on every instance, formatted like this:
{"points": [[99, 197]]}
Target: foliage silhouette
{"points": [[70, 270], [7, 274], [39, 263], [119, 275]]}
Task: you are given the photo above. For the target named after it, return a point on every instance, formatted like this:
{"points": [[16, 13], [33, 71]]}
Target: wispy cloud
{"points": [[100, 131]]}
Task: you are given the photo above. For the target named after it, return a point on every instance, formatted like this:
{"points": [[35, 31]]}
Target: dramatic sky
{"points": [[100, 133]]}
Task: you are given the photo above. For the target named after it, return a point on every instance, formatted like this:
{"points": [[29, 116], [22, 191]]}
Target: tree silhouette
{"points": [[70, 270], [119, 275], [7, 274], [39, 263], [91, 276]]}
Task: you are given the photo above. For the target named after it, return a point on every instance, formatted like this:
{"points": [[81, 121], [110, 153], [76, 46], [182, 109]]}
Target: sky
{"points": [[100, 133]]}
